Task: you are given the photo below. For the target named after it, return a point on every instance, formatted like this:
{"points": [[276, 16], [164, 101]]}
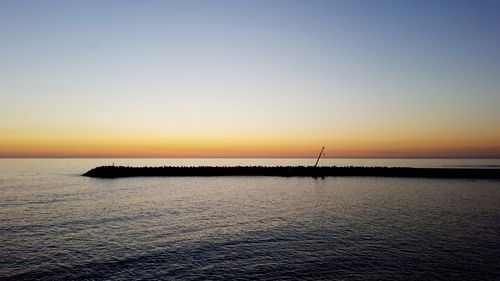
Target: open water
{"points": [[58, 225]]}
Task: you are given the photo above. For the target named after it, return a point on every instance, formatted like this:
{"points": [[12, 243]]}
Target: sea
{"points": [[58, 225]]}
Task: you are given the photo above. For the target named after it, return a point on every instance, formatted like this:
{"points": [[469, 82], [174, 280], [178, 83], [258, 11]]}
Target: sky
{"points": [[250, 78]]}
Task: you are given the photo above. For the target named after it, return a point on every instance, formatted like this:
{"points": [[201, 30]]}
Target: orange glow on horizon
{"points": [[244, 148]]}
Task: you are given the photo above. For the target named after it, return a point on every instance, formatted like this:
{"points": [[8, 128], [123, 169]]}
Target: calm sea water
{"points": [[57, 225]]}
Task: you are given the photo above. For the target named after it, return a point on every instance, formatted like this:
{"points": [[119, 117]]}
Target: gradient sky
{"points": [[249, 78]]}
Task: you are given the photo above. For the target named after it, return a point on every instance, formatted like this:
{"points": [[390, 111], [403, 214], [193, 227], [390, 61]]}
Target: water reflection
{"points": [[56, 225]]}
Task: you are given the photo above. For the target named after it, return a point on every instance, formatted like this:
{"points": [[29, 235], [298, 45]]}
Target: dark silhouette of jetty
{"points": [[291, 171]]}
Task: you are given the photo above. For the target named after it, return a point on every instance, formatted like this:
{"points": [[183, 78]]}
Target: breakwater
{"points": [[290, 171]]}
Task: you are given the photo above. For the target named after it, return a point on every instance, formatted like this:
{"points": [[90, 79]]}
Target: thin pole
{"points": [[319, 156]]}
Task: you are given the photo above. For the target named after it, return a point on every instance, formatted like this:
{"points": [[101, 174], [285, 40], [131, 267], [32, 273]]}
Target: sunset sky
{"points": [[249, 78]]}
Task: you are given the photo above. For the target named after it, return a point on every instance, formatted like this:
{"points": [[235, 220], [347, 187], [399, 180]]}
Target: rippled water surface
{"points": [[57, 225]]}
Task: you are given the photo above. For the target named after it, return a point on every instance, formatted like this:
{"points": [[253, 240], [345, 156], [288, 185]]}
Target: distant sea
{"points": [[58, 225]]}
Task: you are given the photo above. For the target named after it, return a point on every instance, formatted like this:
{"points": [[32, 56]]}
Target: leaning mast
{"points": [[319, 156]]}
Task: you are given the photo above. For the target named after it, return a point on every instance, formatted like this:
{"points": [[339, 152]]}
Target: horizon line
{"points": [[232, 157]]}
